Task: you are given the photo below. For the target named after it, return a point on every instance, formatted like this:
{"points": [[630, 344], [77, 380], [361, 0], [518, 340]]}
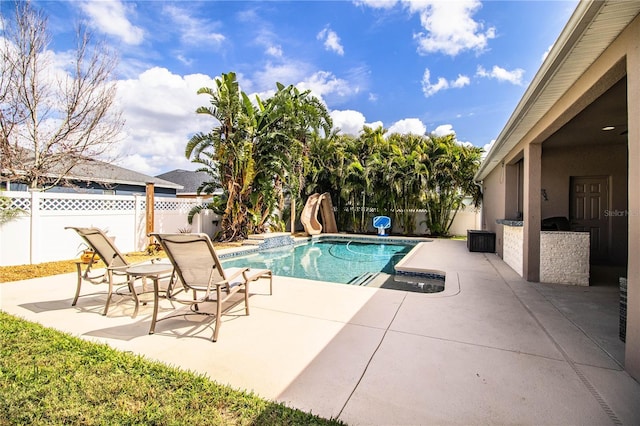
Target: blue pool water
{"points": [[326, 260]]}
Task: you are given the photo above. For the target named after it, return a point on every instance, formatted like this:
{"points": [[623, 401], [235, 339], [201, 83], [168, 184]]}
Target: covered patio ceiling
{"points": [[592, 126]]}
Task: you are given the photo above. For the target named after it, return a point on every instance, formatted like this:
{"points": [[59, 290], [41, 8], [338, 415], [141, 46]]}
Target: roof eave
{"points": [[555, 63]]}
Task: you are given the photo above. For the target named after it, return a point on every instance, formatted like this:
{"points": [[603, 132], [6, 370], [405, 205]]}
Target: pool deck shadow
{"points": [[496, 350]]}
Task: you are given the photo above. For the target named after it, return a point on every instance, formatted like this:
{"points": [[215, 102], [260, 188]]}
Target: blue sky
{"points": [[427, 66]]}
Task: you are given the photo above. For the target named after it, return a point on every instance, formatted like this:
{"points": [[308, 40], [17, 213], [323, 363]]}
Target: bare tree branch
{"points": [[52, 117]]}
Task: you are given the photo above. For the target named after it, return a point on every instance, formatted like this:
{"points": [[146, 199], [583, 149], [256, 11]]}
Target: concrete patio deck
{"points": [[491, 349]]}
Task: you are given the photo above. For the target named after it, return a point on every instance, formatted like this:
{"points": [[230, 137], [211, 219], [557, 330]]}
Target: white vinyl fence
{"points": [[38, 234], [465, 219]]}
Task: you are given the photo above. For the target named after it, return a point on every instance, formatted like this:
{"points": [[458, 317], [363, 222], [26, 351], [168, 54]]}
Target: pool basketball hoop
{"points": [[381, 223]]}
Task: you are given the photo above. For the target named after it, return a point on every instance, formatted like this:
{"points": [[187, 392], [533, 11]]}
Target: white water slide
{"points": [[309, 217]]}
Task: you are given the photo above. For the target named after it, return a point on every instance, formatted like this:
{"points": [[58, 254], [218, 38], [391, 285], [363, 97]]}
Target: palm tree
{"points": [[454, 166], [289, 122], [228, 152], [407, 176], [256, 151]]}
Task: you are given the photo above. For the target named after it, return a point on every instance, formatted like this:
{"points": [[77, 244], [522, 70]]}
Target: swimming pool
{"points": [[340, 261], [326, 260]]}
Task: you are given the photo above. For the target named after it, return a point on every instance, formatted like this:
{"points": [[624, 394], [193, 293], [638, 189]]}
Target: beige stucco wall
{"points": [[559, 164], [600, 75], [632, 347], [493, 201]]}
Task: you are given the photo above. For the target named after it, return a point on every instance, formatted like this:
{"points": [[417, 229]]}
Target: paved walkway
{"points": [[492, 349]]}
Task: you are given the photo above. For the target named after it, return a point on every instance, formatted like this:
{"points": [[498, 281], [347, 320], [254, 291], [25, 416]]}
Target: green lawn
{"points": [[49, 377]]}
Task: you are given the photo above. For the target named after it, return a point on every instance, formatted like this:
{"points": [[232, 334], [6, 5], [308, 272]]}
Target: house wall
{"points": [[632, 347], [559, 164], [620, 58], [514, 190], [493, 205]]}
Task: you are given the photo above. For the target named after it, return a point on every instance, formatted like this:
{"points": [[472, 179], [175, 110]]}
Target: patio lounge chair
{"points": [[115, 273], [199, 270]]}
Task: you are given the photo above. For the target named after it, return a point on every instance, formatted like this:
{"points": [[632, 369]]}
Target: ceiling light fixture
{"points": [[607, 128]]}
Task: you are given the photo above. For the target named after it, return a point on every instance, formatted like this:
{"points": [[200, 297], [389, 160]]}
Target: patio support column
{"points": [[531, 214], [632, 344]]}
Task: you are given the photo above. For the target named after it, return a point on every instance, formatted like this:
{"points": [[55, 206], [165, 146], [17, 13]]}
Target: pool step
{"points": [[259, 239], [364, 279]]}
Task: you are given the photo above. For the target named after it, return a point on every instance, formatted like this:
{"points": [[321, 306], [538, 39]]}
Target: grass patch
{"points": [[49, 377], [25, 272]]}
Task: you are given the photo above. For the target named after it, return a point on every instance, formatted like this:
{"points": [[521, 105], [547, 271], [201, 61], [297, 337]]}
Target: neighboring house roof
{"points": [[189, 180], [90, 170], [593, 26], [99, 171]]}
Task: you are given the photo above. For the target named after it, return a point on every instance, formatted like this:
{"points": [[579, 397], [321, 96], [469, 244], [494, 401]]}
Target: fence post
{"points": [[34, 241], [197, 219], [150, 210], [137, 206]]}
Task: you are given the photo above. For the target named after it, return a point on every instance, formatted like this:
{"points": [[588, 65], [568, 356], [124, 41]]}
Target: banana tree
{"points": [[257, 150], [227, 152]]}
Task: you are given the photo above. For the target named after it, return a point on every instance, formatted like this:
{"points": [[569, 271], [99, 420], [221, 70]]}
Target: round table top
{"points": [[150, 269]]}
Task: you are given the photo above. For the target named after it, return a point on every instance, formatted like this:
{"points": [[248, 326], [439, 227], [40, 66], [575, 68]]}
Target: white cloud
{"points": [[159, 109], [110, 18], [408, 125], [348, 121], [264, 80], [275, 51], [351, 122], [447, 129], [194, 30], [546, 53], [430, 89], [501, 74], [444, 130], [376, 4], [331, 41], [373, 97], [186, 61], [324, 83], [375, 124], [487, 147], [461, 81], [450, 27], [265, 38]]}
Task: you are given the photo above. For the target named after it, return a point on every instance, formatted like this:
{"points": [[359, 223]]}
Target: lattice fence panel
{"points": [[22, 203], [62, 204], [173, 206]]}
